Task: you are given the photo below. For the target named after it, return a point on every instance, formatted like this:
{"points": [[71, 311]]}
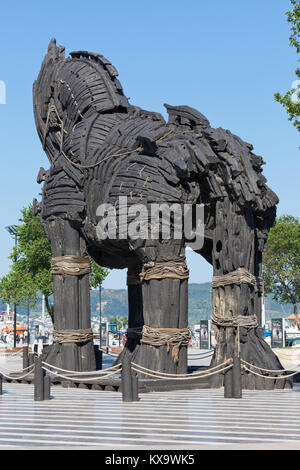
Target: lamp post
{"points": [[13, 231], [100, 317], [43, 316], [28, 325]]}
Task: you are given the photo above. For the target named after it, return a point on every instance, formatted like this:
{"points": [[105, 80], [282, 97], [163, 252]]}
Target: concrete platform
{"points": [[186, 419]]}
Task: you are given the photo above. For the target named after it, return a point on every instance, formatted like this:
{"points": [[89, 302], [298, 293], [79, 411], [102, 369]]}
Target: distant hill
{"points": [[114, 302]]}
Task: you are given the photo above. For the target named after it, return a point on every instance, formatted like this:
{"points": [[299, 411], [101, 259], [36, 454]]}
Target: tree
{"points": [[121, 322], [32, 255], [97, 275], [281, 261], [291, 99], [30, 272], [17, 288]]}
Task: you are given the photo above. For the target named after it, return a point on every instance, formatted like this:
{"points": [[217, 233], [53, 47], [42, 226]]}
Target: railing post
{"points": [[135, 386], [233, 379], [31, 358], [25, 357], [228, 384], [236, 377], [98, 357], [1, 384], [233, 376], [38, 379], [126, 379], [47, 387]]}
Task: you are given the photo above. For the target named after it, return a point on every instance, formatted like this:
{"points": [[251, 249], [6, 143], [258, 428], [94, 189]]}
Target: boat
{"points": [[7, 326]]}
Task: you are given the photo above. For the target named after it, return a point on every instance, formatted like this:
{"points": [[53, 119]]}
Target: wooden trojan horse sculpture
{"points": [[102, 150]]}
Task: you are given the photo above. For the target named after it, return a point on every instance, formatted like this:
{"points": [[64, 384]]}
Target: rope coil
{"points": [[172, 269], [164, 270], [239, 276], [73, 336], [70, 265], [173, 337], [245, 321]]}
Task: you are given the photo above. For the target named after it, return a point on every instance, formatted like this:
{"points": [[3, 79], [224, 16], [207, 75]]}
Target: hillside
{"points": [[114, 302]]}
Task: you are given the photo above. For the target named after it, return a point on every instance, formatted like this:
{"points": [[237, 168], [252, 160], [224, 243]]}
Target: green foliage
{"points": [[294, 19], [17, 288], [33, 251], [30, 269], [97, 275], [121, 322], [281, 261], [292, 106]]}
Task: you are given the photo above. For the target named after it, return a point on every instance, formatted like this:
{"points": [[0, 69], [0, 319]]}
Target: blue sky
{"points": [[224, 58]]}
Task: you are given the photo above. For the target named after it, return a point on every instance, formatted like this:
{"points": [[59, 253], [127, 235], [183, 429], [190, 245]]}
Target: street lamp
{"points": [[13, 231], [100, 317], [28, 325]]}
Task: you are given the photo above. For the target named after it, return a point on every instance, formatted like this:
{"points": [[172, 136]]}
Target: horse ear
{"points": [[54, 51], [52, 45]]}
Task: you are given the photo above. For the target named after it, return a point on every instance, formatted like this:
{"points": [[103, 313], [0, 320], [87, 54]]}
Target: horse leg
{"points": [[164, 305], [235, 247], [71, 300]]}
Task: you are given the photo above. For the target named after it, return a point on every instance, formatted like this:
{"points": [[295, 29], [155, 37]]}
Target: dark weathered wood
{"points": [[235, 246], [228, 375], [236, 378], [25, 357], [38, 379], [127, 389], [98, 356], [135, 386], [100, 147], [30, 358], [71, 301], [47, 387], [164, 306]]}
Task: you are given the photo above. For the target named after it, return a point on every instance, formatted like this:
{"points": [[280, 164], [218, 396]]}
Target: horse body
{"points": [[102, 149]]}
